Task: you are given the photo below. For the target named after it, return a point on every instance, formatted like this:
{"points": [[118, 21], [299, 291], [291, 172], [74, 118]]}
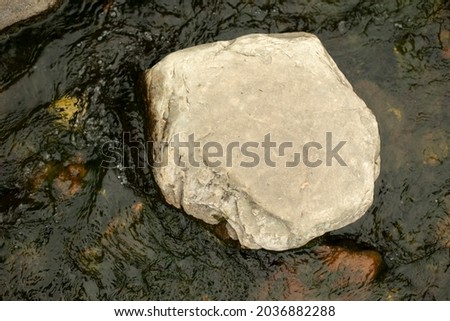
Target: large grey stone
{"points": [[285, 85], [12, 11]]}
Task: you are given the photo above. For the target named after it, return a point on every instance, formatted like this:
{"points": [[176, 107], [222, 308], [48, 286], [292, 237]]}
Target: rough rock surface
{"points": [[12, 11], [236, 92]]}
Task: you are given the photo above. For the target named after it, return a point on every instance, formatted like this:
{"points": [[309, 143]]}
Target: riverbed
{"points": [[72, 228]]}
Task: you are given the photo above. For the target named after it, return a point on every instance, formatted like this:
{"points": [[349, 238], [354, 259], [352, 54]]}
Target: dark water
{"points": [[70, 229]]}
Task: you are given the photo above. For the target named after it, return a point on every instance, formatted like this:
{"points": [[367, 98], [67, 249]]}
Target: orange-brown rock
{"points": [[351, 267], [68, 182], [328, 272]]}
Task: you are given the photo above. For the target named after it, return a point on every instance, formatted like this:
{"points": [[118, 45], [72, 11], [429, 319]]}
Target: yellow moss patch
{"points": [[66, 109]]}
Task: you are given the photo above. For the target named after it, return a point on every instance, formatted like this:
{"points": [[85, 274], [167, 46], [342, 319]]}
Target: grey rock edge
{"points": [[13, 11], [240, 90]]}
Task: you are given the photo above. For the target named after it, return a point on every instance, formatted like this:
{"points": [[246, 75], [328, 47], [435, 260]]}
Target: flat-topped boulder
{"points": [[13, 11], [265, 133]]}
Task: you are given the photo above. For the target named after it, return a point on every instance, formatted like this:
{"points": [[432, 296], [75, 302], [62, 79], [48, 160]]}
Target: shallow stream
{"points": [[71, 229]]}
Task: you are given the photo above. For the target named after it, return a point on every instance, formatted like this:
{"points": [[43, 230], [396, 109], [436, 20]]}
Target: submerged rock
{"points": [[284, 284], [435, 147], [18, 10], [69, 180], [263, 132], [351, 267], [67, 109], [329, 272]]}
